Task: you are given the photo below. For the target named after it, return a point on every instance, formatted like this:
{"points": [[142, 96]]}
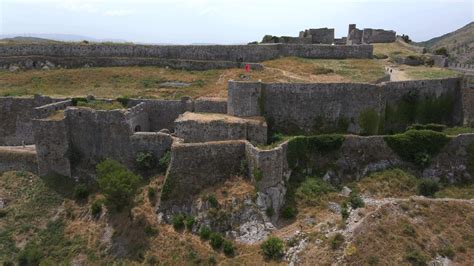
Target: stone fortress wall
{"points": [[296, 108], [195, 57], [73, 145]]}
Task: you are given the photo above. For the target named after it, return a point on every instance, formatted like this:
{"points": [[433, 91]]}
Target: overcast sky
{"points": [[228, 21]]}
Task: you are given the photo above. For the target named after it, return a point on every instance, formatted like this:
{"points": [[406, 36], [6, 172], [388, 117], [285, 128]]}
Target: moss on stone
{"points": [[369, 122], [416, 109], [301, 148]]}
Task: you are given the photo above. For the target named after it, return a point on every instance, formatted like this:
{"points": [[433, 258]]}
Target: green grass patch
{"points": [[452, 131], [100, 105], [389, 183]]}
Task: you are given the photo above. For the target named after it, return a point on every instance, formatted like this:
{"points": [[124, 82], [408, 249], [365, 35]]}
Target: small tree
{"points": [[117, 183], [146, 161], [428, 188]]}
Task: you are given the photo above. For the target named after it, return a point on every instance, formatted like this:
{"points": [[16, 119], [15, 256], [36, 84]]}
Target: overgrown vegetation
{"points": [[301, 148], [389, 183], [117, 183], [146, 160], [428, 188], [417, 146], [100, 105], [414, 108], [273, 248]]}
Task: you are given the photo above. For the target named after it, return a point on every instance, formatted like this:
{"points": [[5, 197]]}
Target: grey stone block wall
{"points": [[18, 161], [210, 105], [53, 147], [16, 114], [243, 98], [378, 36], [296, 107], [197, 166], [194, 127], [233, 53]]}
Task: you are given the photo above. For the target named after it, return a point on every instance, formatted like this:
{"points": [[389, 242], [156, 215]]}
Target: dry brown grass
{"points": [[429, 227]]}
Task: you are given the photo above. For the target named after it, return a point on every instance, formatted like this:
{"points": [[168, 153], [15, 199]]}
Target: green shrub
{"points": [[216, 240], [81, 192], [164, 161], [189, 222], [30, 255], [356, 201], [117, 183], [415, 257], [146, 161], [417, 146], [337, 240], [75, 100], [229, 249], [211, 198], [313, 188], [123, 100], [447, 251], [96, 208], [150, 231], [322, 71], [409, 230], [3, 213], [273, 248], [178, 222], [270, 211], [289, 212], [428, 187], [441, 51], [205, 232], [380, 56], [434, 127], [257, 174], [151, 193], [344, 212]]}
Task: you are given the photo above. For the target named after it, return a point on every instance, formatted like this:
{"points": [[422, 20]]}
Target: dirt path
{"points": [[398, 74]]}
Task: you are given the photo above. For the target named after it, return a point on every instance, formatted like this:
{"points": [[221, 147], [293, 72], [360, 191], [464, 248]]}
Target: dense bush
{"points": [[229, 249], [96, 208], [205, 232], [337, 240], [434, 127], [273, 247], [415, 257], [322, 71], [301, 148], [406, 38], [178, 222], [123, 100], [146, 160], [30, 255], [216, 240], [289, 212], [417, 146], [151, 194], [117, 183], [441, 51], [164, 161], [81, 192], [428, 188], [189, 222], [212, 201], [356, 201], [312, 188]]}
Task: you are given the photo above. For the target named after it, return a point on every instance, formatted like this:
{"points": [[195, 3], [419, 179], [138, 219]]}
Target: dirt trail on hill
{"points": [[398, 75]]}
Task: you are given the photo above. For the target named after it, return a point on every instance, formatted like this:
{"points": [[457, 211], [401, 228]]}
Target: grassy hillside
{"points": [[459, 44]]}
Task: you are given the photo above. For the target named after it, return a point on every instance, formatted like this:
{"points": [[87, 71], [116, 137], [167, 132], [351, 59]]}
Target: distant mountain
{"points": [[459, 44], [55, 37]]}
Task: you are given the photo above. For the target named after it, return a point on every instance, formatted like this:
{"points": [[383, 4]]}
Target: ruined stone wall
{"points": [[197, 166], [46, 110], [48, 62], [18, 161], [194, 127], [234, 53], [378, 36], [155, 142], [16, 114], [53, 147], [306, 108], [162, 113], [322, 35]]}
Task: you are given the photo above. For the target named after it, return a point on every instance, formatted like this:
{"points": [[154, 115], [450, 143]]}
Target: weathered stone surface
{"points": [[18, 159], [200, 127], [297, 108]]}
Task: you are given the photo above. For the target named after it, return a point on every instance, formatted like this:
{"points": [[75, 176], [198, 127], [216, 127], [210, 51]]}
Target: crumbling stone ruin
{"points": [[367, 35], [326, 36]]}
